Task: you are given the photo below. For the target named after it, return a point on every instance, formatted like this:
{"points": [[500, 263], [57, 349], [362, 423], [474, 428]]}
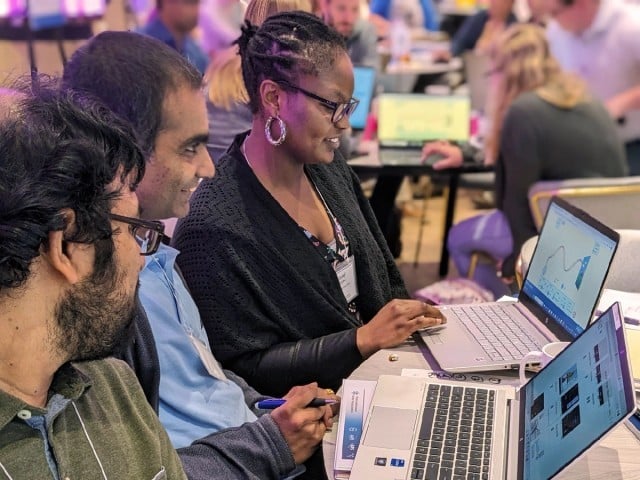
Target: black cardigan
{"points": [[272, 306]]}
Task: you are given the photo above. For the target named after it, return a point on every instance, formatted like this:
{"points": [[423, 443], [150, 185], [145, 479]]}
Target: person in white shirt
{"points": [[598, 40]]}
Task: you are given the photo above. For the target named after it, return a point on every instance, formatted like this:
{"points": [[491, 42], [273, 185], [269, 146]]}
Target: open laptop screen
{"points": [[584, 392], [418, 118], [364, 82], [569, 266]]}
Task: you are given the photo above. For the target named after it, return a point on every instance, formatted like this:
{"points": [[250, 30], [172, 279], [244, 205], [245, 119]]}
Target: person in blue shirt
{"points": [[208, 412], [422, 14], [172, 23]]}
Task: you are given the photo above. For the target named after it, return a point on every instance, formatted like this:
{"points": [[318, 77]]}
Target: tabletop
{"points": [[615, 457]]}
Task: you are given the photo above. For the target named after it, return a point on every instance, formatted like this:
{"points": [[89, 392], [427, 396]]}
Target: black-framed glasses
{"points": [[147, 233], [339, 110]]}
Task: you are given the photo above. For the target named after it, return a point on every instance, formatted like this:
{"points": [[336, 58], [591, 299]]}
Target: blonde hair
{"points": [[521, 54], [224, 75]]}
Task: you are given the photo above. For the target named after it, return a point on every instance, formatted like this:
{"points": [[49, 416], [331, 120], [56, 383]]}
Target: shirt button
{"points": [[24, 414]]}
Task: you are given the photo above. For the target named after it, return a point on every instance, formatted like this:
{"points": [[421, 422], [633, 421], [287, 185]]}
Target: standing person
{"points": [[69, 265], [227, 100], [173, 23], [208, 413], [542, 129], [598, 40], [300, 284]]}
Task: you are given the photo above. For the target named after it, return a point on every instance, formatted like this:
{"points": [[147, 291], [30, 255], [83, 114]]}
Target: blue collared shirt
{"points": [[193, 403], [190, 49]]}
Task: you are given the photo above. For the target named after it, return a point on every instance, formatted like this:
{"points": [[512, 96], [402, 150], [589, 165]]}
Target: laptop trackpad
{"points": [[391, 428]]}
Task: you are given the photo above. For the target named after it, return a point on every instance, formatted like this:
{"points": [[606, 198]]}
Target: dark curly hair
{"points": [[132, 74], [285, 46], [59, 150]]}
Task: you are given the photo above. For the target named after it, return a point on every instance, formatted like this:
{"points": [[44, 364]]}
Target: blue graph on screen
{"points": [[559, 274]]}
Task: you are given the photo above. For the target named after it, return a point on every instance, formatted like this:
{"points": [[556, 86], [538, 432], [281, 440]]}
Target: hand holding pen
{"points": [[302, 426]]}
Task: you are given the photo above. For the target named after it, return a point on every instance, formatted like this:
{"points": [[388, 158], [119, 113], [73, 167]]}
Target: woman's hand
{"points": [[394, 323], [451, 153]]}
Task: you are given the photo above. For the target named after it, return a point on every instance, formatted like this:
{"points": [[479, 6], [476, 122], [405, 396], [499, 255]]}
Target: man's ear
{"points": [[69, 259], [270, 97]]}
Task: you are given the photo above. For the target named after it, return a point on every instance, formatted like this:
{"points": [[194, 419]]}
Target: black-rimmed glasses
{"points": [[339, 110], [147, 233]]}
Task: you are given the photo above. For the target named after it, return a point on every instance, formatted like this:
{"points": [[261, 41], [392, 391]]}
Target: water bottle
{"points": [[400, 36]]}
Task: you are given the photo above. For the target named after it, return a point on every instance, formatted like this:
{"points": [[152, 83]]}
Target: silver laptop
{"points": [[407, 121], [557, 300], [421, 428]]}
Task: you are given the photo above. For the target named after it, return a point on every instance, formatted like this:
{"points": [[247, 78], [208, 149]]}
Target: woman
{"points": [[281, 250], [479, 31], [545, 127], [227, 105]]}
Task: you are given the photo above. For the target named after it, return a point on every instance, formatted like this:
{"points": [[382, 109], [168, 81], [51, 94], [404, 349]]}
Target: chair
{"points": [[613, 201]]}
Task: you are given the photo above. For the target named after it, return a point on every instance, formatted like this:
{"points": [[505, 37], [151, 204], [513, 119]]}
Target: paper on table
{"points": [[354, 408], [629, 302]]}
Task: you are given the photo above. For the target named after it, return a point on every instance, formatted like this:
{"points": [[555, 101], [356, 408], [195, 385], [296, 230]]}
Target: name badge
{"points": [[208, 360], [346, 272]]}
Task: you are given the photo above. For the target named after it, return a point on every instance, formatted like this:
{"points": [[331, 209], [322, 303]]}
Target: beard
{"points": [[96, 315]]}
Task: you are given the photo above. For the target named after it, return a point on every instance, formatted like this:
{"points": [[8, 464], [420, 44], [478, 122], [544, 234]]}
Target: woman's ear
{"points": [[71, 260], [271, 97]]}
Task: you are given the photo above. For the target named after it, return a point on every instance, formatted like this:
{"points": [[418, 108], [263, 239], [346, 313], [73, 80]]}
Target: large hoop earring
{"points": [[267, 131]]}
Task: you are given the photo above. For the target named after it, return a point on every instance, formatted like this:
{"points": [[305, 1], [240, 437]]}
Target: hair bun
{"points": [[248, 32]]}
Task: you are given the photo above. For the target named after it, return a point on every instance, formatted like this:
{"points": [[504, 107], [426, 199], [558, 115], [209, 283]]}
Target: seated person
{"points": [[543, 129], [173, 23], [209, 414], [479, 31], [421, 14], [228, 101], [359, 34], [300, 284], [69, 268]]}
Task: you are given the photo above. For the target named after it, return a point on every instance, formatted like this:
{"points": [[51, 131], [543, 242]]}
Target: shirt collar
{"points": [[157, 29], [165, 258], [68, 381], [604, 19]]}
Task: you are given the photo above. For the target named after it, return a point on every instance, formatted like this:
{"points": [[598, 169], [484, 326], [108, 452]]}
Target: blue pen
{"points": [[271, 403]]}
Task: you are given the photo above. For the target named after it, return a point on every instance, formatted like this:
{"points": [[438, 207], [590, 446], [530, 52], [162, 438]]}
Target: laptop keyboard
{"points": [[455, 436], [501, 338]]}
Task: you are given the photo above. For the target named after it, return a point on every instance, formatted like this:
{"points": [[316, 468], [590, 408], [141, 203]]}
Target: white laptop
{"points": [[420, 428], [407, 121], [559, 295]]}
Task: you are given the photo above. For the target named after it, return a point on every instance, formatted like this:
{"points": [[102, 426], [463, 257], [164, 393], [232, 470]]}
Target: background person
{"points": [[542, 129], [173, 23], [68, 276], [287, 216]]}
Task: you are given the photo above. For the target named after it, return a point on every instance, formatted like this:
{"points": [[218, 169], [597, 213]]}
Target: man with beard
{"points": [[360, 35], [173, 23], [209, 413], [69, 265]]}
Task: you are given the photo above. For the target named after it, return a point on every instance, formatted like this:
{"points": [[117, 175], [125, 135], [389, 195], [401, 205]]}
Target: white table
{"points": [[616, 457]]}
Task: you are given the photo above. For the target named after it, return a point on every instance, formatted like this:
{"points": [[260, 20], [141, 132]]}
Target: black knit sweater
{"points": [[272, 306]]}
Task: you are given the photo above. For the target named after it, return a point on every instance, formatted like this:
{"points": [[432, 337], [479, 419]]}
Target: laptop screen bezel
{"points": [[630, 397], [551, 323]]}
